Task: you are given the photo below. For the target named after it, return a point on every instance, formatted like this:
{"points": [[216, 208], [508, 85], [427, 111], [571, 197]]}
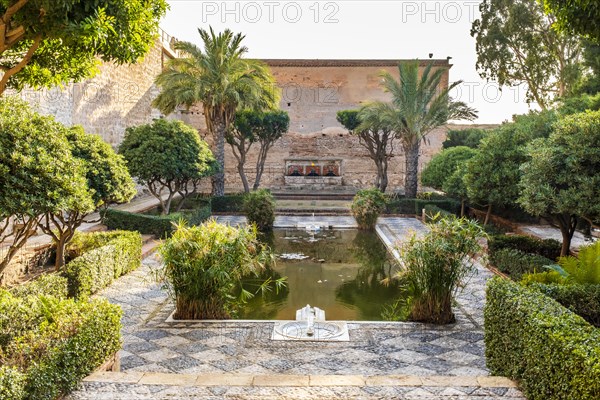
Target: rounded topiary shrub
{"points": [[366, 207], [259, 207]]}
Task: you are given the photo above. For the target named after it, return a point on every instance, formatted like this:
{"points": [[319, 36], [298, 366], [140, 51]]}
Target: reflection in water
{"points": [[341, 274]]}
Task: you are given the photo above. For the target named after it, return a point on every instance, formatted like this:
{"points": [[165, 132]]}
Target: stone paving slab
{"points": [[376, 349], [159, 385]]}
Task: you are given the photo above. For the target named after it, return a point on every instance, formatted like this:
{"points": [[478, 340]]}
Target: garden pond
{"points": [[339, 271]]}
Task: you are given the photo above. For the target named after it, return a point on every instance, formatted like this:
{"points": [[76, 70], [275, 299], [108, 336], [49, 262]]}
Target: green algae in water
{"points": [[339, 271]]}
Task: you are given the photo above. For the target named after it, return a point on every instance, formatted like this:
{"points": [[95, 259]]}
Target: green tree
{"points": [[455, 186], [48, 42], [464, 137], [38, 173], [561, 181], [418, 106], [275, 124], [578, 17], [516, 43], [168, 157], [108, 181], [221, 79], [443, 165], [377, 139], [492, 175]]}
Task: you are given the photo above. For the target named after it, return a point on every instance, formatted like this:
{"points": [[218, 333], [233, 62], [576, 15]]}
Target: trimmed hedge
{"points": [[157, 225], [49, 285], [69, 340], [515, 263], [548, 248], [415, 206], [583, 300], [431, 211], [552, 352], [97, 268], [230, 203]]}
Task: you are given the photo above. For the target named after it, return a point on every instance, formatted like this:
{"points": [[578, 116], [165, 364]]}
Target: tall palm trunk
{"points": [[218, 179], [411, 160]]}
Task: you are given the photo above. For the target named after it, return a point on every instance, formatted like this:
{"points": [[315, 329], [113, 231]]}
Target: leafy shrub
{"points": [[585, 268], [547, 277], [550, 351], [48, 285], [366, 207], [204, 267], [71, 340], [259, 207], [548, 248], [435, 266], [12, 383], [17, 316], [159, 226], [465, 137], [231, 203], [582, 299], [516, 263], [97, 268], [415, 206], [443, 165], [433, 212]]}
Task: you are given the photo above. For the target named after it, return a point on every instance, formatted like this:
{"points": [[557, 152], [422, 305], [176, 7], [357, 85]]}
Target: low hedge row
{"points": [[231, 203], [548, 248], [515, 263], [529, 337], [120, 252], [431, 211], [49, 285], [583, 300], [157, 225], [64, 342], [415, 206]]}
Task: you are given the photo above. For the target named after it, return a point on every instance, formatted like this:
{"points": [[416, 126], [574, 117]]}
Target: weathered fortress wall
{"points": [[312, 92]]}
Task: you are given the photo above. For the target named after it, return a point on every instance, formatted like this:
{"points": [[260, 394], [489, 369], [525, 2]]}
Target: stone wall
{"points": [[119, 96], [312, 92]]}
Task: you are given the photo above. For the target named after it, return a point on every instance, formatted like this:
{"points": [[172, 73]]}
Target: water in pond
{"points": [[339, 271]]}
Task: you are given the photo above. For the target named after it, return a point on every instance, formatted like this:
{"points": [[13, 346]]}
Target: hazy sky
{"points": [[359, 29]]}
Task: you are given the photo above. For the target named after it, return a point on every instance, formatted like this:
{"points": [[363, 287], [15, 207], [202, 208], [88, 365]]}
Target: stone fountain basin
{"points": [[330, 331]]}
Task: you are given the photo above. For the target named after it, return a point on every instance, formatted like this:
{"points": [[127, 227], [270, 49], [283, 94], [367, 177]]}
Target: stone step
{"points": [[150, 385]]}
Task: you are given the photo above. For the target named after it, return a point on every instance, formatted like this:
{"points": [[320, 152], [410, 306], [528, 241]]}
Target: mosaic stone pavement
{"points": [[152, 345]]}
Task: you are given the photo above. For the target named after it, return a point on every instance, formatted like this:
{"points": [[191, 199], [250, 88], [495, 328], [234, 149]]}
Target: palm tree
{"points": [[222, 80], [418, 106]]}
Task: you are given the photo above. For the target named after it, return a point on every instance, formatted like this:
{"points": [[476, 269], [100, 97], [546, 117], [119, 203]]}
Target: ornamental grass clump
{"points": [[205, 265], [436, 265], [366, 207]]}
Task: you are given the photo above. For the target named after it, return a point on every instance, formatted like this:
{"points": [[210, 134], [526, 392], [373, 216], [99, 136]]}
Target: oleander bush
{"points": [[548, 248], [204, 267], [119, 254], [549, 350], [61, 343], [259, 207], [158, 225], [366, 207], [230, 203], [516, 263]]}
